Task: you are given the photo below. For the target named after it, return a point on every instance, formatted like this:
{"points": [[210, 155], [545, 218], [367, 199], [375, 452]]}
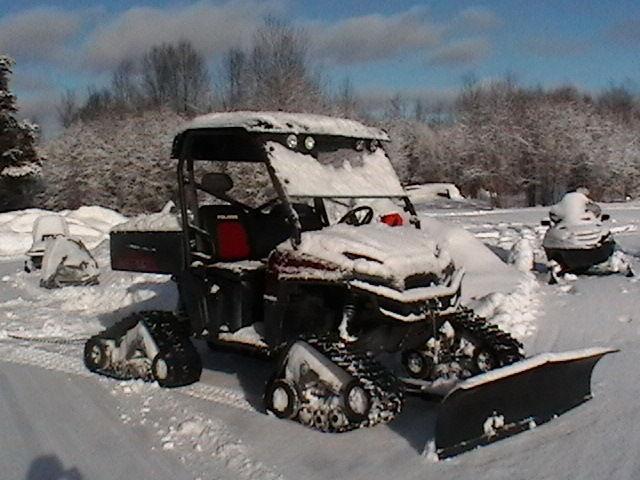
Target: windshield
{"points": [[338, 171]]}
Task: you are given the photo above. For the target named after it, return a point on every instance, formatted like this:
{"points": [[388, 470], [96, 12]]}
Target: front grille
{"points": [[421, 280]]}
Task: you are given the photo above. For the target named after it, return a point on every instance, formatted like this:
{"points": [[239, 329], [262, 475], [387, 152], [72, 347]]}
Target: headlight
{"points": [[292, 141], [309, 143]]}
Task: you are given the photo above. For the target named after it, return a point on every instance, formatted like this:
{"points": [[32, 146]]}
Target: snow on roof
{"points": [[283, 122]]}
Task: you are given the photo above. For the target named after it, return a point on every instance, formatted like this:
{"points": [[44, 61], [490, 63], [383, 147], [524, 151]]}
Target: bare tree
{"points": [[175, 76], [67, 109], [125, 85], [275, 74], [98, 102], [396, 108], [346, 102], [236, 81]]}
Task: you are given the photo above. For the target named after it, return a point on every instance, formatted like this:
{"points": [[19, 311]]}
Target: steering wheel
{"points": [[356, 218]]}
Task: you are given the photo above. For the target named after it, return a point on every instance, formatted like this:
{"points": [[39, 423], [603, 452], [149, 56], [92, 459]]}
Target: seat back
{"points": [[229, 228]]}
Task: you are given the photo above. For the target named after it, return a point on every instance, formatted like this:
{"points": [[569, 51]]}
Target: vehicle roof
{"points": [[284, 122]]}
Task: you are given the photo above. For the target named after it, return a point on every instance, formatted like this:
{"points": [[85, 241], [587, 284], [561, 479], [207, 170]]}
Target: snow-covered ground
{"points": [[59, 419]]}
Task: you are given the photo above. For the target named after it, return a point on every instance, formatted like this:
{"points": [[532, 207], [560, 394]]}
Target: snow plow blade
{"points": [[509, 400]]}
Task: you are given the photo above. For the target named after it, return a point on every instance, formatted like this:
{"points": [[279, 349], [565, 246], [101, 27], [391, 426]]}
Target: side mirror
{"points": [[545, 223], [605, 216], [216, 183]]}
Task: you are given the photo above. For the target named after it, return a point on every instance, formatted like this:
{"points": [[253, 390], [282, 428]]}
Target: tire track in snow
{"points": [[36, 357], [221, 444]]}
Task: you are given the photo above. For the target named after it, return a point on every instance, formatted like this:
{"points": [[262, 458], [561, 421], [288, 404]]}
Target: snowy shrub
{"points": [[120, 162]]}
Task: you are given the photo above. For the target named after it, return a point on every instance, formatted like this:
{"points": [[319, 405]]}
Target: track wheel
{"points": [[357, 402], [417, 364], [162, 371], [281, 398], [95, 355], [484, 361]]}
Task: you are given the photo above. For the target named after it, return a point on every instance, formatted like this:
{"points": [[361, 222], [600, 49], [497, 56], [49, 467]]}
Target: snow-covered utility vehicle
{"points": [[579, 241], [314, 256]]}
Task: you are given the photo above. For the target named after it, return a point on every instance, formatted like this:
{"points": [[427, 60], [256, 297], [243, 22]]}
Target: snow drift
{"points": [[494, 289], [89, 224]]}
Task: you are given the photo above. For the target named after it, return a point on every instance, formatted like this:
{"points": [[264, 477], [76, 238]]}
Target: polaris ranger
{"points": [[314, 256]]}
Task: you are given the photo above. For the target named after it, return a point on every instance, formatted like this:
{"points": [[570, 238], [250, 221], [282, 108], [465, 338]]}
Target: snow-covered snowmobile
{"points": [[45, 229], [579, 240], [291, 261], [61, 260]]}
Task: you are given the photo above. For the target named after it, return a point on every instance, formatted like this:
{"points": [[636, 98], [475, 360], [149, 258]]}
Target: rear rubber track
{"points": [[171, 336]]}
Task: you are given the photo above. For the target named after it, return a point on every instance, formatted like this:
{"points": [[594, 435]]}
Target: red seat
{"points": [[233, 241]]}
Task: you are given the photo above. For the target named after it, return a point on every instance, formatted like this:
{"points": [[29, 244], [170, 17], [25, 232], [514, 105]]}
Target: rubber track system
{"points": [[171, 337], [504, 348], [382, 386]]}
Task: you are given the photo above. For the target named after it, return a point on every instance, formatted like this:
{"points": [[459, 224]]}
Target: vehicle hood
{"points": [[394, 254], [575, 236]]}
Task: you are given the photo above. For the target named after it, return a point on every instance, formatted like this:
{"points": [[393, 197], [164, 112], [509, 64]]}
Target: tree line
{"points": [[524, 145]]}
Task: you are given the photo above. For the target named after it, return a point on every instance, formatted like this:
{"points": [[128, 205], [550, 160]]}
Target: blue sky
{"points": [[418, 49]]}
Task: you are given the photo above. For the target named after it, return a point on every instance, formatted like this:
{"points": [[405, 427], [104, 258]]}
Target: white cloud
{"points": [[462, 53], [212, 28], [625, 34], [378, 98], [374, 37], [475, 20], [547, 47], [38, 34]]}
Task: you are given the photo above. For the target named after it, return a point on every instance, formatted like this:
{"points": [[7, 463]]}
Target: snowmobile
{"points": [[354, 309], [45, 229], [579, 241], [61, 260]]}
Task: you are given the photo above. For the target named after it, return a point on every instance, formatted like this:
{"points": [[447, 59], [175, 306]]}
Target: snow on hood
{"points": [[376, 250]]}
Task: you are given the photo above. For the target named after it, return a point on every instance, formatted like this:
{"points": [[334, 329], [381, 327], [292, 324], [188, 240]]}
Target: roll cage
{"points": [[237, 145]]}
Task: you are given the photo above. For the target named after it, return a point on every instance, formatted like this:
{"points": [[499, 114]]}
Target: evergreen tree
{"points": [[19, 162]]}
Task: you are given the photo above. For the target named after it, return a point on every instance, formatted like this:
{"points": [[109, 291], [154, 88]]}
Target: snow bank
{"points": [[89, 224], [78, 312], [494, 289], [433, 191], [163, 221]]}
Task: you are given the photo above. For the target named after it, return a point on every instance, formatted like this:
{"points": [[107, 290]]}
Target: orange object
{"points": [[392, 219]]}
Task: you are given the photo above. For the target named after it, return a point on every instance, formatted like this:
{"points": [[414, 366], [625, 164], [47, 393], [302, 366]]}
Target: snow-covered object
{"points": [[373, 250], [164, 221], [494, 289], [303, 175], [522, 255], [575, 208], [68, 262], [529, 364], [282, 122], [433, 191], [89, 224], [251, 335], [47, 227], [576, 223]]}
